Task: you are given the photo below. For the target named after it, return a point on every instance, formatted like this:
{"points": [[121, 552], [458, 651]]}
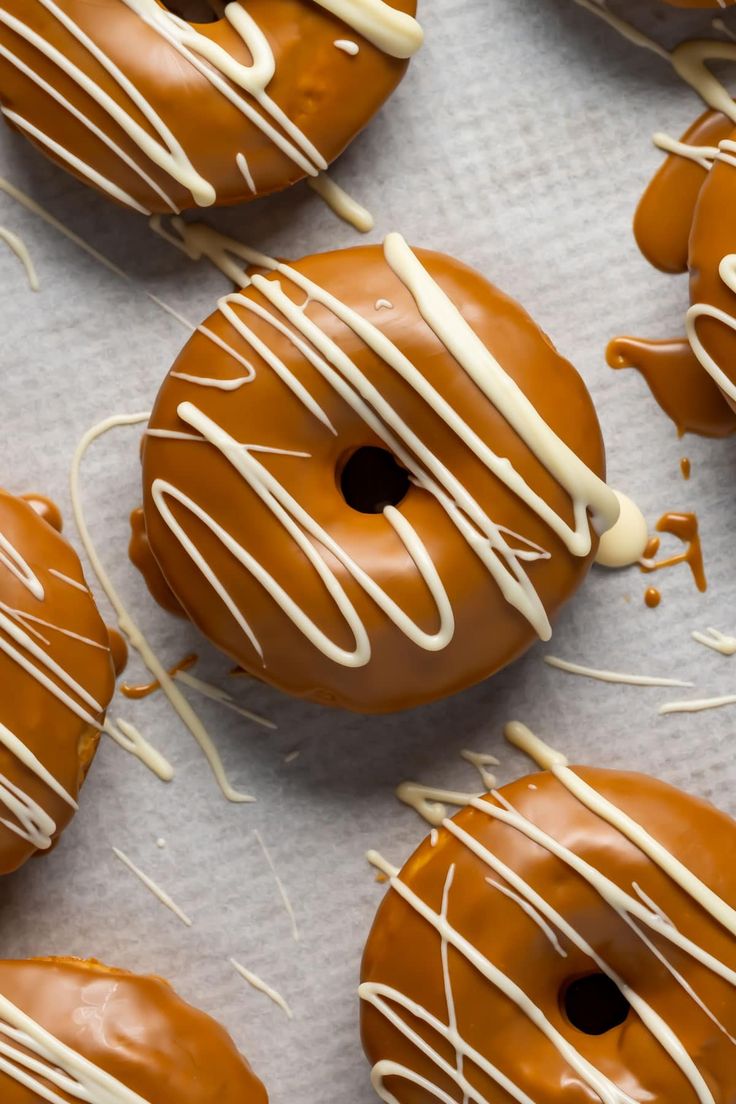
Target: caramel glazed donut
{"points": [[369, 478], [163, 115], [75, 1030], [56, 679], [567, 939], [687, 221]]}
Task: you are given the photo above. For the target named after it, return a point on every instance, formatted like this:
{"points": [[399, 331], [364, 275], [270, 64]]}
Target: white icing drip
{"points": [[481, 760], [701, 155], [215, 693], [598, 7], [286, 900], [260, 986], [344, 206], [689, 61], [197, 240], [19, 247], [520, 736], [650, 903], [384, 304], [624, 544], [242, 163], [611, 676], [447, 979], [717, 641], [59, 1067], [153, 888], [430, 801], [127, 736], [347, 46], [127, 625], [396, 33]]}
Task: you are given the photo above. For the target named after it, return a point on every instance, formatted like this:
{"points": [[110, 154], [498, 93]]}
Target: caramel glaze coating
{"points": [[489, 633], [403, 950], [329, 95], [135, 1028], [63, 742]]}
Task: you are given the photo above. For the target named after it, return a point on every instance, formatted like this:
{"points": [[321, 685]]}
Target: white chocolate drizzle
{"points": [[505, 561], [697, 705], [285, 899], [261, 986], [126, 623], [243, 86], [217, 694], [402, 1012], [344, 206], [716, 641], [481, 760], [152, 887], [19, 247], [701, 155], [624, 543], [42, 1064], [611, 676]]}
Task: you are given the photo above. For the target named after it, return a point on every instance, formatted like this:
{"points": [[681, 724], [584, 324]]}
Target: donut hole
{"points": [[594, 1004], [193, 11], [371, 480]]}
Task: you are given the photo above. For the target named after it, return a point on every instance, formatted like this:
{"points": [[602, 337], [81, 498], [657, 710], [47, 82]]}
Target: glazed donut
{"points": [[56, 679], [369, 478], [686, 221], [77, 1030], [570, 938], [162, 115]]}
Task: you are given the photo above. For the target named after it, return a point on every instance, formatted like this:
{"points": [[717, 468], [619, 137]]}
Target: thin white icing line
{"points": [[286, 900], [262, 987], [717, 641], [550, 759], [153, 888], [242, 163], [430, 801], [127, 736], [697, 705], [216, 693], [11, 558], [447, 978], [126, 623], [611, 676], [531, 913], [68, 579], [727, 272], [343, 205], [701, 155], [624, 28], [20, 249]]}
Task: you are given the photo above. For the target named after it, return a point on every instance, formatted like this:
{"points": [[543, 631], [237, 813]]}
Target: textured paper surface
{"points": [[519, 141]]}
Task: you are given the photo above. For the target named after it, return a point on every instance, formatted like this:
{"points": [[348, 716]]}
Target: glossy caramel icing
{"points": [[56, 680], [605, 877], [162, 115], [482, 448], [110, 1037]]}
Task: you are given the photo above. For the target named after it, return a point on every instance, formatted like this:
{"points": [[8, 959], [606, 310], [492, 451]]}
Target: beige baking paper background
{"points": [[519, 141]]}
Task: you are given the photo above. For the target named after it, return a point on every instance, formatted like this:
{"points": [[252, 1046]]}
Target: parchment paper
{"points": [[519, 142]]}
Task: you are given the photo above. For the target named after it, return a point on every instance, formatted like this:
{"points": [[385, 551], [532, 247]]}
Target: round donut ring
{"points": [[368, 478], [163, 115], [532, 951], [103, 1034], [56, 679]]}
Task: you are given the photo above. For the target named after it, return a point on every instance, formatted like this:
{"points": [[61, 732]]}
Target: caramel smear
{"points": [[652, 598], [149, 688], [685, 467], [685, 392], [685, 528]]}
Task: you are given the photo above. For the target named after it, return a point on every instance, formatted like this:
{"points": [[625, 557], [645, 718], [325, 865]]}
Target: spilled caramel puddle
{"points": [[149, 688]]}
